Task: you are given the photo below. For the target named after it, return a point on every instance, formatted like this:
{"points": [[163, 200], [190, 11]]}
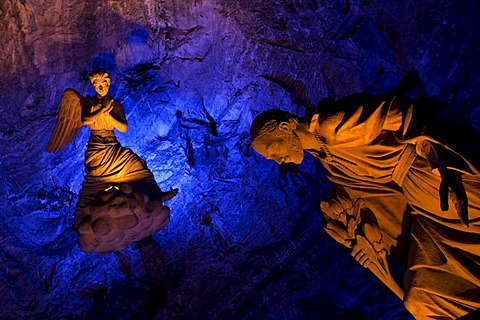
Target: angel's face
{"points": [[101, 86]]}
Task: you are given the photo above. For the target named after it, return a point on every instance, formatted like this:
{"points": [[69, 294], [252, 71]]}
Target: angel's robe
{"points": [[365, 152], [106, 161], [119, 201]]}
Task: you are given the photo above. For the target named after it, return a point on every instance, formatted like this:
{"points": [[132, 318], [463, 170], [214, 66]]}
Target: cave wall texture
{"points": [[246, 239]]}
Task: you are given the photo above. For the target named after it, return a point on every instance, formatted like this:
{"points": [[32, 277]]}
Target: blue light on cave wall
{"points": [[138, 35], [246, 238], [219, 231], [105, 61]]}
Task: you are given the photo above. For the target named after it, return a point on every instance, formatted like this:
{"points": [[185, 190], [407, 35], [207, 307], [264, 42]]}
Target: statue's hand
{"points": [[452, 181], [108, 107]]}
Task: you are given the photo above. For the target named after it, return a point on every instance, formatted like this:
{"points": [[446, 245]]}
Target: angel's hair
{"points": [[267, 123], [98, 73]]}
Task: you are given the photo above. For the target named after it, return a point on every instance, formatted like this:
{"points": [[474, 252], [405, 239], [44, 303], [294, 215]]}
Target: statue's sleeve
{"points": [[87, 107], [118, 111], [359, 119], [441, 157]]}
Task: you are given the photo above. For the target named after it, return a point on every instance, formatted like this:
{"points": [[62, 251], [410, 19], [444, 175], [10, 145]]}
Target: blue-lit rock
{"points": [[245, 238]]}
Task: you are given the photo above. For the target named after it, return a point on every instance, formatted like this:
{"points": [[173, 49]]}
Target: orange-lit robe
{"points": [[367, 154], [106, 161]]}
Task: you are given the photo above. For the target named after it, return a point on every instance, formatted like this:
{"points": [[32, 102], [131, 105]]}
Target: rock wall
{"points": [[245, 238]]}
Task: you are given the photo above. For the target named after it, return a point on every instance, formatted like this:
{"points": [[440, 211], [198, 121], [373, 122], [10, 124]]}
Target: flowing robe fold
{"points": [[365, 150], [107, 162]]}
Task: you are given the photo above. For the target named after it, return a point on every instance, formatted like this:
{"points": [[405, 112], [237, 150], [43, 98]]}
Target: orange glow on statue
{"points": [[393, 193], [120, 201]]}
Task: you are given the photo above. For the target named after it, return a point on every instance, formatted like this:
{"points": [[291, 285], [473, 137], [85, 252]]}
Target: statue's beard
{"points": [[296, 154]]}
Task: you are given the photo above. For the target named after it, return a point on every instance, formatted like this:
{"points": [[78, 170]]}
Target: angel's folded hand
{"points": [[108, 107]]}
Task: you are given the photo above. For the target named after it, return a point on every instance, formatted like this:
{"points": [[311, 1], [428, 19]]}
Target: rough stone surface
{"points": [[246, 238]]}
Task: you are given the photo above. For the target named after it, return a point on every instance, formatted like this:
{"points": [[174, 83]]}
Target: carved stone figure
{"points": [[398, 192], [119, 201]]}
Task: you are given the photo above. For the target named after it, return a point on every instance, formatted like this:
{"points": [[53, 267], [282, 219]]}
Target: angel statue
{"points": [[119, 201]]}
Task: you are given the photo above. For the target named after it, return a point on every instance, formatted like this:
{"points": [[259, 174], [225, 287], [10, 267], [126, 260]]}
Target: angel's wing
{"points": [[69, 120]]}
